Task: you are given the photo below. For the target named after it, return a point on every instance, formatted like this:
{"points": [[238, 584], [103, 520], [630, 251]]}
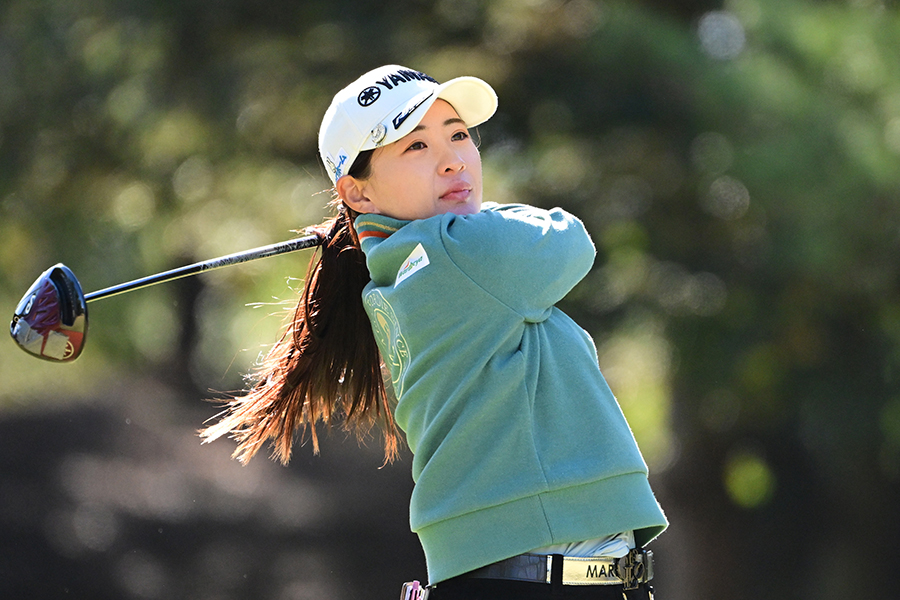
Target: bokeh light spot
{"points": [[749, 480], [637, 362], [134, 206], [127, 101], [193, 180], [721, 35], [727, 199]]}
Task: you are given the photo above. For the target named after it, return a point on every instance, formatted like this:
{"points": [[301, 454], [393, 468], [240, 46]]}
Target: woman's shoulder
{"points": [[526, 219]]}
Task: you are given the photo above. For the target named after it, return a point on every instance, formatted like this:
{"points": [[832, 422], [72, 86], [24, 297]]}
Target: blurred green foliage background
{"points": [[737, 163]]}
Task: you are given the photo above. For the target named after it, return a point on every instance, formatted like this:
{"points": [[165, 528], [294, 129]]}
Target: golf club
{"points": [[51, 320]]}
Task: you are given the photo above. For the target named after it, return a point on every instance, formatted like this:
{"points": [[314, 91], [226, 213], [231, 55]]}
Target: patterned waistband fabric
{"points": [[615, 546]]}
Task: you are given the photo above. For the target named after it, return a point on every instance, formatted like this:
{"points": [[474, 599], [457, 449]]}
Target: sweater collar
{"points": [[372, 228]]}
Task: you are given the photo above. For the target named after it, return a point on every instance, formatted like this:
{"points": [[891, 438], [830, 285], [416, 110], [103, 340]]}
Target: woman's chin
{"points": [[469, 208]]}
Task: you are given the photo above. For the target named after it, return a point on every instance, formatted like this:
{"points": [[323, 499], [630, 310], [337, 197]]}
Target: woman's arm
{"points": [[526, 257]]}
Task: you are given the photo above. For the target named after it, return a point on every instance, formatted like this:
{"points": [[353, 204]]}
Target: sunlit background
{"points": [[737, 163]]}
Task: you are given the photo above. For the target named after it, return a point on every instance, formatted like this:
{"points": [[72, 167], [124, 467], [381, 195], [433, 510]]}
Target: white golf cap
{"points": [[387, 103]]}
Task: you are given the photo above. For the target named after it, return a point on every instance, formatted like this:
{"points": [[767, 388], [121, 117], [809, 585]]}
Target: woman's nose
{"points": [[453, 161]]}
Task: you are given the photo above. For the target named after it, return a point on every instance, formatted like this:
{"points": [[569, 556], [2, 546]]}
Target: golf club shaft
{"points": [[209, 265]]}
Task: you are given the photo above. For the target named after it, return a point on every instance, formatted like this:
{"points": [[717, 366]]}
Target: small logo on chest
{"points": [[416, 261]]}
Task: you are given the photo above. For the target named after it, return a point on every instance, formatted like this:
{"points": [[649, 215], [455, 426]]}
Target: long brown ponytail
{"points": [[326, 366]]}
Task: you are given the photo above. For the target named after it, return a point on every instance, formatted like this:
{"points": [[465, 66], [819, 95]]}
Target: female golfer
{"points": [[528, 481]]}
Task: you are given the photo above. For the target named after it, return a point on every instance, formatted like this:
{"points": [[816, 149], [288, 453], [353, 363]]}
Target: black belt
{"points": [[630, 571]]}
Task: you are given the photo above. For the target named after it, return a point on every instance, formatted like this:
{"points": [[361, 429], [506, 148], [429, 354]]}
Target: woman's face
{"points": [[433, 170]]}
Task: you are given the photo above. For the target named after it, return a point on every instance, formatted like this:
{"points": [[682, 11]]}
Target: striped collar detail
{"points": [[372, 228], [364, 235]]}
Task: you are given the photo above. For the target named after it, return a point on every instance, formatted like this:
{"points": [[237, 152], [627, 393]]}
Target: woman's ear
{"points": [[352, 192]]}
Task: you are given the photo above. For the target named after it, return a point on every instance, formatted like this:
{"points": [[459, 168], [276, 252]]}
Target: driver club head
{"points": [[50, 321]]}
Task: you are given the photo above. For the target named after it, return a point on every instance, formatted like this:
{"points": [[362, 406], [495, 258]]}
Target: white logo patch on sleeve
{"points": [[417, 260]]}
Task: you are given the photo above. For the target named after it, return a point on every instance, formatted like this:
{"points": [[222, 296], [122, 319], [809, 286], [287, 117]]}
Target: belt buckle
{"points": [[634, 568]]}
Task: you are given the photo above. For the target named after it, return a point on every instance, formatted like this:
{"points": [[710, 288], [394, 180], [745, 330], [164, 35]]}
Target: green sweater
{"points": [[517, 440]]}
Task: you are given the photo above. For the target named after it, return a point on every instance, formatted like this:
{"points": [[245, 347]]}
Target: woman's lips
{"points": [[459, 194]]}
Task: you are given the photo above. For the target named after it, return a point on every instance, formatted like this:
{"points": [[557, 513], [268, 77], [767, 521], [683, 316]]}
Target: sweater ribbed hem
{"points": [[464, 543]]}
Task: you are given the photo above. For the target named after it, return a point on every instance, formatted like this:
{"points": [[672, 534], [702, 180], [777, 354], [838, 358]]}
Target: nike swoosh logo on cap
{"points": [[399, 119]]}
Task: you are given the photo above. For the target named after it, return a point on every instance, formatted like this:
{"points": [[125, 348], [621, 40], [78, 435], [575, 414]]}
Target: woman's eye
{"points": [[416, 146], [460, 135]]}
